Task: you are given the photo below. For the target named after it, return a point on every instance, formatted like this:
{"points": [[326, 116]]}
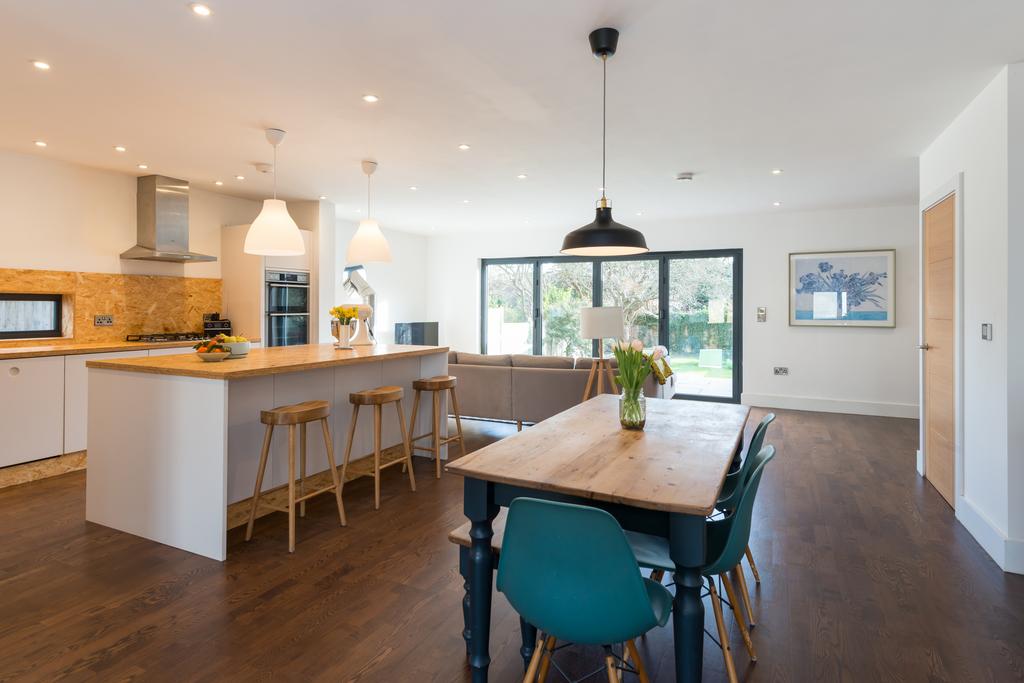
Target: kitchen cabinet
{"points": [[170, 352], [32, 413], [76, 394]]}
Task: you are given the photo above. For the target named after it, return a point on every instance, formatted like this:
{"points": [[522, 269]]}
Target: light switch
{"points": [[762, 314], [986, 331]]}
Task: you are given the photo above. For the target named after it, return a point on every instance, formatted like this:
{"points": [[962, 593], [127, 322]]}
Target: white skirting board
{"points": [[1008, 553], [831, 405]]}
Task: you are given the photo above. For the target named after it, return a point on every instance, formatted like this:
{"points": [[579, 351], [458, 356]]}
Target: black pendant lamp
{"points": [[604, 237]]}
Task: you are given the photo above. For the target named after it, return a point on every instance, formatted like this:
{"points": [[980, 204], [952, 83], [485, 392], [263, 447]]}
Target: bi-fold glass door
{"points": [[689, 302]]}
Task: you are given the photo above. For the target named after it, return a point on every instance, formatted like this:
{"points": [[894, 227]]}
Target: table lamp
{"points": [[600, 322]]}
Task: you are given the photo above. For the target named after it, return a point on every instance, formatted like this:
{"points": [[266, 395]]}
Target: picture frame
{"points": [[843, 288]]}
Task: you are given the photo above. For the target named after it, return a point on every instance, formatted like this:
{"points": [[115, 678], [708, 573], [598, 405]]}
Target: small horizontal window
{"points": [[27, 316]]}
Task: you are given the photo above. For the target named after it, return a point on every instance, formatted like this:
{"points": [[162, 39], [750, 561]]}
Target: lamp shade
{"points": [[368, 244], [604, 237], [274, 233], [601, 322]]}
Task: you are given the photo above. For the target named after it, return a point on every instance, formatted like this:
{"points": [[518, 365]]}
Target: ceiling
{"points": [[841, 96]]}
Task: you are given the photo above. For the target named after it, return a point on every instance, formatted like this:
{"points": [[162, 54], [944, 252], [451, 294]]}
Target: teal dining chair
{"points": [[569, 571], [727, 538]]}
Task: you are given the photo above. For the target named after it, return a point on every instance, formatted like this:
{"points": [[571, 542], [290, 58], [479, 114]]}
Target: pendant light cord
{"points": [[604, 122], [368, 216], [275, 172]]}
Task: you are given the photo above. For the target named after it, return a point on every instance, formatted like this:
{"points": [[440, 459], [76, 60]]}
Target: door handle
{"points": [[924, 347]]}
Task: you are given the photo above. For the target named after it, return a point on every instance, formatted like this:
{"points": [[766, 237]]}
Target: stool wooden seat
{"points": [[436, 385], [298, 415], [378, 398]]}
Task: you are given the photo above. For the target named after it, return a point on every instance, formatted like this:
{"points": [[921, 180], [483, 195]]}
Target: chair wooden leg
{"points": [[737, 612], [329, 445], [348, 445], [436, 395], [590, 380], [609, 664], [458, 420], [376, 457], [549, 648], [741, 585], [405, 444], [291, 488], [264, 453], [753, 567], [302, 468], [412, 423], [657, 575], [638, 663], [538, 654], [723, 633]]}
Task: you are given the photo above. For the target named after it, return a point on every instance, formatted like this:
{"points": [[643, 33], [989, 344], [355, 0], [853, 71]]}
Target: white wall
{"points": [[863, 370], [61, 216], [400, 286], [978, 144]]}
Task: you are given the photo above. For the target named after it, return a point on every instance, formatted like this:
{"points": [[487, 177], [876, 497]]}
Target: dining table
{"points": [[664, 480]]}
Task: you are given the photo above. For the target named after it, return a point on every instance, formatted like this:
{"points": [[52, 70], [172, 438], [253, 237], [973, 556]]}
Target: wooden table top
{"points": [[270, 361], [676, 464]]}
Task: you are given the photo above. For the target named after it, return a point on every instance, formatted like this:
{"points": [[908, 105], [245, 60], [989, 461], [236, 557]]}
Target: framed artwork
{"points": [[843, 288]]}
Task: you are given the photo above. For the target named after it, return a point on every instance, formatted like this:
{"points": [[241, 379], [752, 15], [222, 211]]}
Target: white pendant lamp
{"points": [[274, 233], [368, 244]]}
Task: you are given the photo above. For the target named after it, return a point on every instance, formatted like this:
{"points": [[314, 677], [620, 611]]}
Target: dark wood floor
{"points": [[866, 577]]}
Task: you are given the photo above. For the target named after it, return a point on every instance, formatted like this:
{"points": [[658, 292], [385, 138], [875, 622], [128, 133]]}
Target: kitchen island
{"points": [[174, 440]]}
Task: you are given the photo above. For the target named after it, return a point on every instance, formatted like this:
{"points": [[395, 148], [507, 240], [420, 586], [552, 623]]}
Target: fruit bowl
{"points": [[213, 356], [237, 349]]}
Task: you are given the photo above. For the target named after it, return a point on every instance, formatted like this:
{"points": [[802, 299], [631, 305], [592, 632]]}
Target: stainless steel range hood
{"points": [[163, 222]]}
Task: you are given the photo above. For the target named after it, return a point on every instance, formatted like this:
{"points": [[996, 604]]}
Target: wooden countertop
{"points": [[266, 361], [676, 464], [88, 347]]}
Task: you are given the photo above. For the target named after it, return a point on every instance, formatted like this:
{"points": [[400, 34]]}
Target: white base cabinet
{"points": [[32, 417], [76, 395]]}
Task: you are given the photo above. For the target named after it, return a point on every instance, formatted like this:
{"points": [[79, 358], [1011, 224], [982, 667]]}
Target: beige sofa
{"points": [[526, 388]]}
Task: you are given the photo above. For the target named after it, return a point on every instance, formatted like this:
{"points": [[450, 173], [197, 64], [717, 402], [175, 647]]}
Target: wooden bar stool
{"points": [[298, 415], [378, 398], [436, 385]]}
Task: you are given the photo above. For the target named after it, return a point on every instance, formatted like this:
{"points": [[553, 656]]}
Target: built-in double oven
{"points": [[287, 308]]}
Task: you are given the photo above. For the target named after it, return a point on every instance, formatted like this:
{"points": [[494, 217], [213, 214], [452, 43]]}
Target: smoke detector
{"points": [[263, 167], [684, 176]]}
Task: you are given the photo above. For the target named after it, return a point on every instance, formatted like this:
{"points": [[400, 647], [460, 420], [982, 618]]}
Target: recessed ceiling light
{"points": [[323, 196], [358, 210], [239, 177], [463, 147], [776, 203], [218, 183], [200, 9], [142, 167], [413, 188], [776, 171], [40, 143], [41, 65], [371, 98], [465, 201], [120, 148], [639, 213], [521, 176], [685, 176]]}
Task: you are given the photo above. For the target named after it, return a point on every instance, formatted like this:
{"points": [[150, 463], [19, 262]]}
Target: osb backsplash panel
{"points": [[139, 303]]}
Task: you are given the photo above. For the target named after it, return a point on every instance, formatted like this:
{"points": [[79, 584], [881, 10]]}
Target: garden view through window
{"points": [[684, 301]]}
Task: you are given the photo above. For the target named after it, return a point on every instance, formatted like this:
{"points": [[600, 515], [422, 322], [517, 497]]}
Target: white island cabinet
{"points": [[174, 440], [32, 417]]}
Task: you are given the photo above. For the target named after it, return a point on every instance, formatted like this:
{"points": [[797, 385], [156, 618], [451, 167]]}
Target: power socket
{"points": [[781, 370], [103, 320]]}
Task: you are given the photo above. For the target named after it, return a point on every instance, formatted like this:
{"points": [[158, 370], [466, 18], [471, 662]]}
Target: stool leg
{"points": [[348, 446], [405, 444], [334, 470], [458, 419], [412, 424], [291, 488], [259, 480], [437, 433], [302, 468], [376, 457]]}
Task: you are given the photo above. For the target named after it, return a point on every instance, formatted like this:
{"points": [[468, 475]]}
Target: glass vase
{"points": [[632, 409]]}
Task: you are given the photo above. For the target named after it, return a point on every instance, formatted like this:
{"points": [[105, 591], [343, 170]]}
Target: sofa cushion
{"points": [[585, 363], [453, 357], [484, 359], [550, 362]]}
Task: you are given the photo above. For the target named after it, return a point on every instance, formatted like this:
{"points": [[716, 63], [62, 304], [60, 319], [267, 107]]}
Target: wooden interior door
{"points": [[939, 250]]}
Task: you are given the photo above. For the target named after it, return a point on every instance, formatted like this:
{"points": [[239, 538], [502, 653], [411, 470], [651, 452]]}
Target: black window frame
{"points": [[663, 258], [58, 321]]}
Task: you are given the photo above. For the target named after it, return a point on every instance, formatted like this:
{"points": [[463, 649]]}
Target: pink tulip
{"points": [[637, 345], [623, 344], [658, 353]]}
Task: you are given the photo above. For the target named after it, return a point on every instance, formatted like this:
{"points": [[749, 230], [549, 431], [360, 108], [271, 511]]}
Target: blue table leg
{"points": [[529, 633], [687, 541], [479, 506], [464, 571]]}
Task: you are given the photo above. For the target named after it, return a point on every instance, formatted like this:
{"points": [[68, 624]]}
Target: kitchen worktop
{"points": [[271, 361], [89, 347]]}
